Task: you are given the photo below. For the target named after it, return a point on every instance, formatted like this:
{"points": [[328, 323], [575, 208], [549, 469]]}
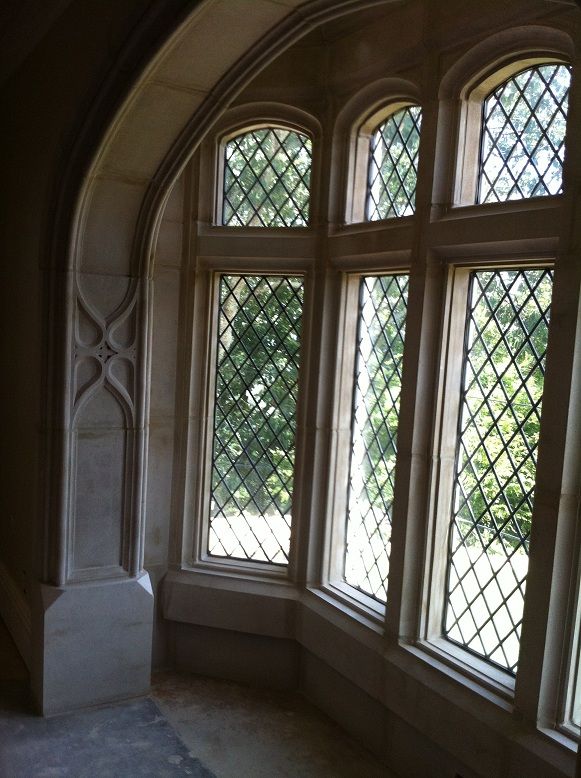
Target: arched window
{"points": [[250, 349], [523, 135], [267, 176], [511, 148], [393, 165]]}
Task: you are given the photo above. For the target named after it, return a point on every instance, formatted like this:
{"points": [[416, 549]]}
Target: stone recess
{"points": [[109, 182]]}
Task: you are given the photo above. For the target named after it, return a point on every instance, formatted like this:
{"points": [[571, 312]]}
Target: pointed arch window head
{"points": [[522, 143], [393, 165], [267, 178]]}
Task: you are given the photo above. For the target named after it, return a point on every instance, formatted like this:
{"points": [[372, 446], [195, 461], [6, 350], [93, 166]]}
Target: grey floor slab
{"points": [[191, 726], [243, 732], [121, 741]]}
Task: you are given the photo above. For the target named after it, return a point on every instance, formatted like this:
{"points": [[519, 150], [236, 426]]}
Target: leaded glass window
{"points": [[378, 374], [393, 165], [523, 135], [267, 178], [500, 411], [257, 371]]}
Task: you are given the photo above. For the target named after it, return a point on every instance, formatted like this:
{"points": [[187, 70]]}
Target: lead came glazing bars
{"points": [[393, 165], [378, 375], [488, 500], [500, 411], [259, 335], [523, 135], [267, 177]]}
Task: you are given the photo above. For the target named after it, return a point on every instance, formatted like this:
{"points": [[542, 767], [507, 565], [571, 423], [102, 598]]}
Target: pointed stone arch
{"points": [[95, 635]]}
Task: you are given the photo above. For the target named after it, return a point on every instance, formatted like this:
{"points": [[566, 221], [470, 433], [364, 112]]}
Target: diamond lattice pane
{"points": [[393, 165], [267, 176], [507, 328], [378, 368], [523, 135], [259, 333]]}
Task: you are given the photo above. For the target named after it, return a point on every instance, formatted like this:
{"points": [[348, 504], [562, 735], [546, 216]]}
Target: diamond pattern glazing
{"points": [[393, 165], [267, 176], [523, 135], [378, 369], [500, 411], [259, 335]]}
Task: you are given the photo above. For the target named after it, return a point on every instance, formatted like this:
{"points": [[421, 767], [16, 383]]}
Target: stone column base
{"points": [[91, 643]]}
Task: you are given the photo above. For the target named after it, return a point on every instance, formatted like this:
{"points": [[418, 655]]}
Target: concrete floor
{"points": [[195, 726], [242, 732]]}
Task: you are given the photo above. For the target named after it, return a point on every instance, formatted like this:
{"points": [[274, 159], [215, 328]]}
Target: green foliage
{"points": [[501, 407], [393, 165], [381, 332], [256, 393], [524, 123], [256, 396], [379, 364], [267, 175]]}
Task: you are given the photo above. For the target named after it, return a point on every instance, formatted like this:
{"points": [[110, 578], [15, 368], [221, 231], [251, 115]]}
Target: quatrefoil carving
{"points": [[98, 344], [104, 352]]}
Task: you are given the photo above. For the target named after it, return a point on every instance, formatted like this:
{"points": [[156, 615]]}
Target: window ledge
{"points": [[223, 229], [559, 738], [248, 599], [232, 580], [379, 225], [473, 672], [355, 645], [487, 712], [211, 599], [239, 569], [454, 212], [352, 619], [484, 709], [352, 602], [569, 732]]}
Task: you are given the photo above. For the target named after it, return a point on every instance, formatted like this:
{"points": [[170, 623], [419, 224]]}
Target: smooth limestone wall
{"points": [[48, 88], [168, 281]]}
